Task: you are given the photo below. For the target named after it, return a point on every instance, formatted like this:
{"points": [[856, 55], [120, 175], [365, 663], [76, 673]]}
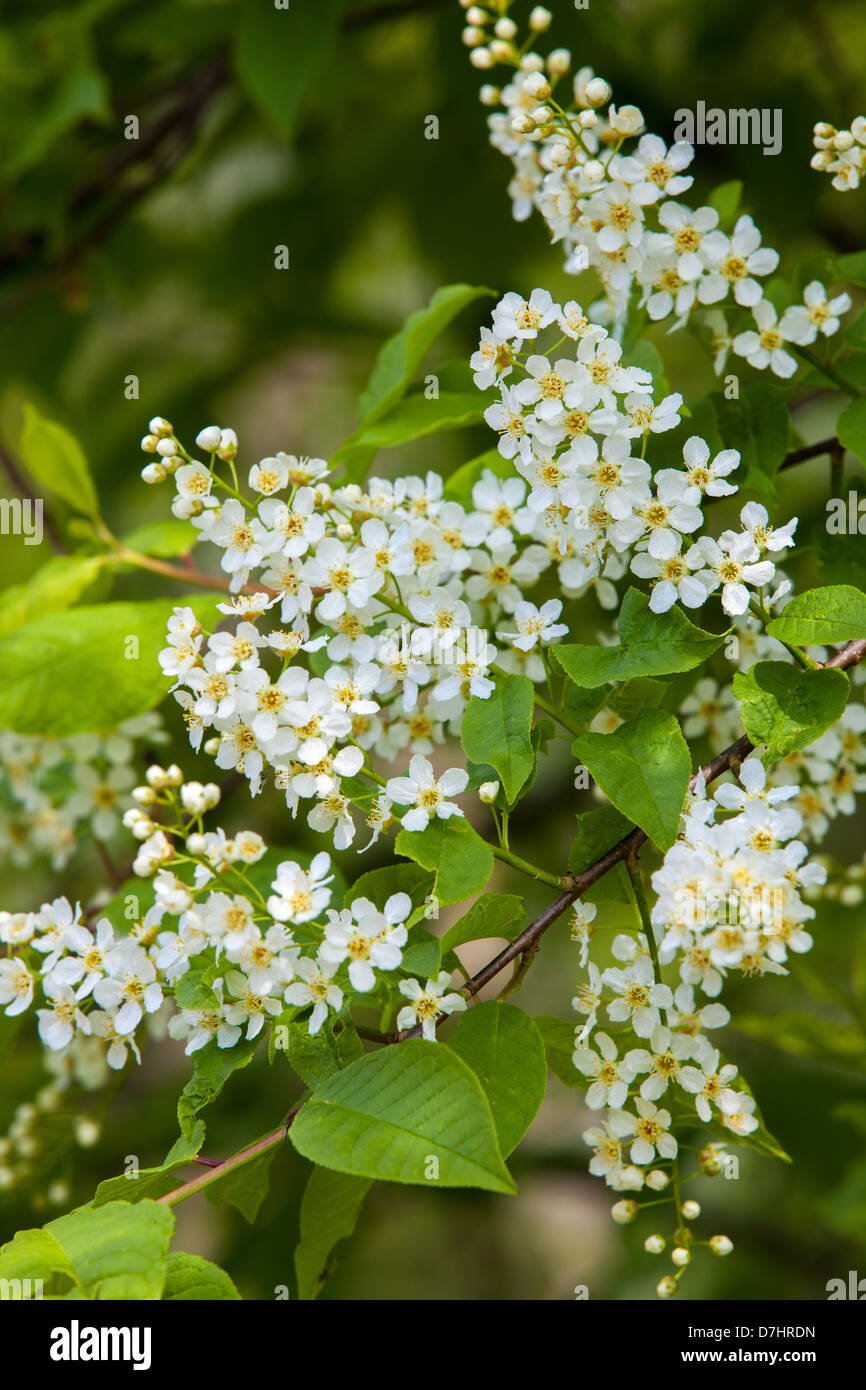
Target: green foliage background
{"points": [[156, 258]]}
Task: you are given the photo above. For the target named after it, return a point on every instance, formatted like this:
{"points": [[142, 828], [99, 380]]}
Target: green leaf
{"points": [[416, 416], [836, 613], [330, 1208], [460, 859], [558, 1038], [280, 54], [56, 586], [422, 954], [598, 831], [401, 356], [504, 1048], [317, 1056], [137, 1185], [759, 427], [70, 672], [163, 538], [786, 708], [191, 1277], [494, 914], [651, 644], [193, 991], [212, 1067], [496, 731], [380, 884], [245, 1187], [391, 1113], [851, 427], [55, 460], [853, 267], [726, 199], [643, 768], [115, 1251]]}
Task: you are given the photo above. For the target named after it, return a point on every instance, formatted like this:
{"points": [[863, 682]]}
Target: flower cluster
{"points": [[618, 210], [216, 956], [841, 153], [569, 423], [52, 789], [728, 899], [386, 594]]}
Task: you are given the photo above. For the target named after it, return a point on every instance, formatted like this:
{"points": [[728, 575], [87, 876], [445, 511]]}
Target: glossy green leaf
{"points": [[405, 1114]]}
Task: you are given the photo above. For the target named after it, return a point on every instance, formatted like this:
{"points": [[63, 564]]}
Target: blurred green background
{"points": [[155, 258]]}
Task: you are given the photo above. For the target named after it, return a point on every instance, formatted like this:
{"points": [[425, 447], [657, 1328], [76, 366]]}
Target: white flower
{"points": [[367, 938], [130, 986], [57, 1024], [536, 625], [663, 1061], [16, 986], [428, 1004], [734, 262], [803, 322], [639, 998], [650, 1128], [709, 1084], [315, 987], [611, 1075], [765, 348], [300, 895], [425, 794]]}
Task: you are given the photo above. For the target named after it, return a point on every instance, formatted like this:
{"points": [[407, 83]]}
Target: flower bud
{"points": [[587, 120], [475, 15], [228, 445], [691, 1210], [211, 746], [537, 85], [540, 19], [345, 531], [196, 844], [472, 36], [711, 1160], [654, 1245], [488, 792], [843, 140], [505, 28], [87, 1132], [160, 426], [680, 1256], [500, 50], [173, 775], [489, 95], [657, 1180], [666, 1287], [149, 443], [145, 796], [592, 171], [154, 473], [558, 62], [598, 92], [156, 777], [624, 1212], [208, 439], [721, 1245]]}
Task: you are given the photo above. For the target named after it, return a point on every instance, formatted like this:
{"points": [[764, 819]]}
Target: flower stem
{"points": [[531, 870], [826, 370]]}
